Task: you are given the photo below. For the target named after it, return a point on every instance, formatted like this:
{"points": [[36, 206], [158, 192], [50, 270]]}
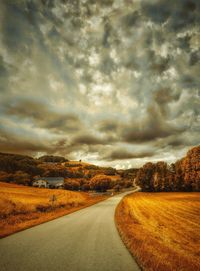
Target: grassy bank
{"points": [[22, 207], [161, 230]]}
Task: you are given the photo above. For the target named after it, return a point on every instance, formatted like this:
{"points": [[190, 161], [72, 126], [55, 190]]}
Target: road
{"points": [[86, 240]]}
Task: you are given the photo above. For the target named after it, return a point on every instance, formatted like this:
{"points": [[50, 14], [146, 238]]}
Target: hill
{"points": [[78, 175]]}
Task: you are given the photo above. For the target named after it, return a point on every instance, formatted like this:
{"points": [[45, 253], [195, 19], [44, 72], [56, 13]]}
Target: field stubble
{"points": [[161, 230], [22, 207]]}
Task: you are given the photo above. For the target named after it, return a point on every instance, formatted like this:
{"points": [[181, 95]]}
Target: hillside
{"points": [[78, 175], [184, 175]]}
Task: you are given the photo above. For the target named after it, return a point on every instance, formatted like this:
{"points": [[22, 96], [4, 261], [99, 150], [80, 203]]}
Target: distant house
{"points": [[49, 182]]}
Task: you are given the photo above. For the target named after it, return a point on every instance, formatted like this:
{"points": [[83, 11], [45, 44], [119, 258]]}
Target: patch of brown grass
{"points": [[161, 230], [22, 207]]}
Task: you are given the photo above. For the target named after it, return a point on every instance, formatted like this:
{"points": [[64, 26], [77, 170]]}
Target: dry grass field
{"points": [[162, 230], [22, 207]]}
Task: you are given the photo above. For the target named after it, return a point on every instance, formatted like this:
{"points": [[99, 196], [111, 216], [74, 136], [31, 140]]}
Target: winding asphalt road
{"points": [[86, 240]]}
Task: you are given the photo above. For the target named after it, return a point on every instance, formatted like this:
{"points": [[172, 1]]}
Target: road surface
{"points": [[86, 240]]}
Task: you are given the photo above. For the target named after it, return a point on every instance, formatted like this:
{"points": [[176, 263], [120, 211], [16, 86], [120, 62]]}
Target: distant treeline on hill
{"points": [[184, 175], [22, 169], [52, 159]]}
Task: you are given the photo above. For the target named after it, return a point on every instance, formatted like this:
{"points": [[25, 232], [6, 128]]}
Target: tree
{"points": [[71, 184], [145, 177], [21, 177], [86, 187], [117, 188], [6, 177], [100, 183], [52, 159]]}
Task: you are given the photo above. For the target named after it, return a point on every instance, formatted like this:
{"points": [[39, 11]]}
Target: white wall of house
{"points": [[40, 183]]}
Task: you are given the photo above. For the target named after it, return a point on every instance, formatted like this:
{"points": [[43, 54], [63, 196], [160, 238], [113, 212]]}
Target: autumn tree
{"points": [[145, 177], [71, 184], [52, 159], [21, 177], [100, 183]]}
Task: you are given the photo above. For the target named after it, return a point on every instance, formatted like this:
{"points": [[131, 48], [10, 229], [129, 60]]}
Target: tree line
{"points": [[22, 169], [184, 175]]}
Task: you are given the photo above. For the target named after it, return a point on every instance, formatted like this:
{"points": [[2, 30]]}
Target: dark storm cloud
{"points": [[44, 116], [150, 128], [163, 97], [178, 142], [3, 69], [4, 73], [158, 11], [180, 14], [122, 154], [10, 142], [107, 65], [108, 126], [131, 19], [15, 36], [159, 64], [105, 80], [89, 140], [194, 58]]}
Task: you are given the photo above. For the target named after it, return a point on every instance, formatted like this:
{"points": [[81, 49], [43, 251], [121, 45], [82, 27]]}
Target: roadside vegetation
{"points": [[22, 207], [161, 230]]}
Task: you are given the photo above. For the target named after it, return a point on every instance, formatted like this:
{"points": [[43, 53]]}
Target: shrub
{"points": [[21, 178], [52, 159], [117, 188], [71, 184], [86, 187], [100, 183]]}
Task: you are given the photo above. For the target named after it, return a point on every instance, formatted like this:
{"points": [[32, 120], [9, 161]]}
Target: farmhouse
{"points": [[49, 182]]}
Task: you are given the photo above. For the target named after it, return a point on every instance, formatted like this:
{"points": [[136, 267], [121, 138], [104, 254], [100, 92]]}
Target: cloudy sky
{"points": [[112, 82]]}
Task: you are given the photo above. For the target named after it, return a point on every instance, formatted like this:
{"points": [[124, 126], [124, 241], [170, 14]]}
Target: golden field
{"points": [[161, 230], [22, 207]]}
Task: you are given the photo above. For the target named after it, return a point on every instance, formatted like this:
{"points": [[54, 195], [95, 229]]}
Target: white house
{"points": [[40, 183], [49, 182]]}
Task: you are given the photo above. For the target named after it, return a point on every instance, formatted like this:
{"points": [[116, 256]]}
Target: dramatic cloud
{"points": [[112, 82], [121, 154]]}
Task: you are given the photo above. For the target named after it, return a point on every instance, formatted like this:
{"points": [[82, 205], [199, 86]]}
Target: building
{"points": [[49, 182]]}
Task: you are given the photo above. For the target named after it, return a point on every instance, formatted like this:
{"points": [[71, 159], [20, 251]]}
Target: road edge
{"points": [[120, 232], [68, 212]]}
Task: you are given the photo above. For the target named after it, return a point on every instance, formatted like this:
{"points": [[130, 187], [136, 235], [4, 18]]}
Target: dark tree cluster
{"points": [[11, 163], [52, 159], [184, 175]]}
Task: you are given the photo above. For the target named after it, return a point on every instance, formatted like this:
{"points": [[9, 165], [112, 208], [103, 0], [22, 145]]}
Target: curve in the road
{"points": [[86, 240]]}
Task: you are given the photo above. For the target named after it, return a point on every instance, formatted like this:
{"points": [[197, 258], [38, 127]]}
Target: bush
{"points": [[86, 187], [52, 159], [6, 177], [71, 184], [117, 188], [21, 178], [100, 183]]}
